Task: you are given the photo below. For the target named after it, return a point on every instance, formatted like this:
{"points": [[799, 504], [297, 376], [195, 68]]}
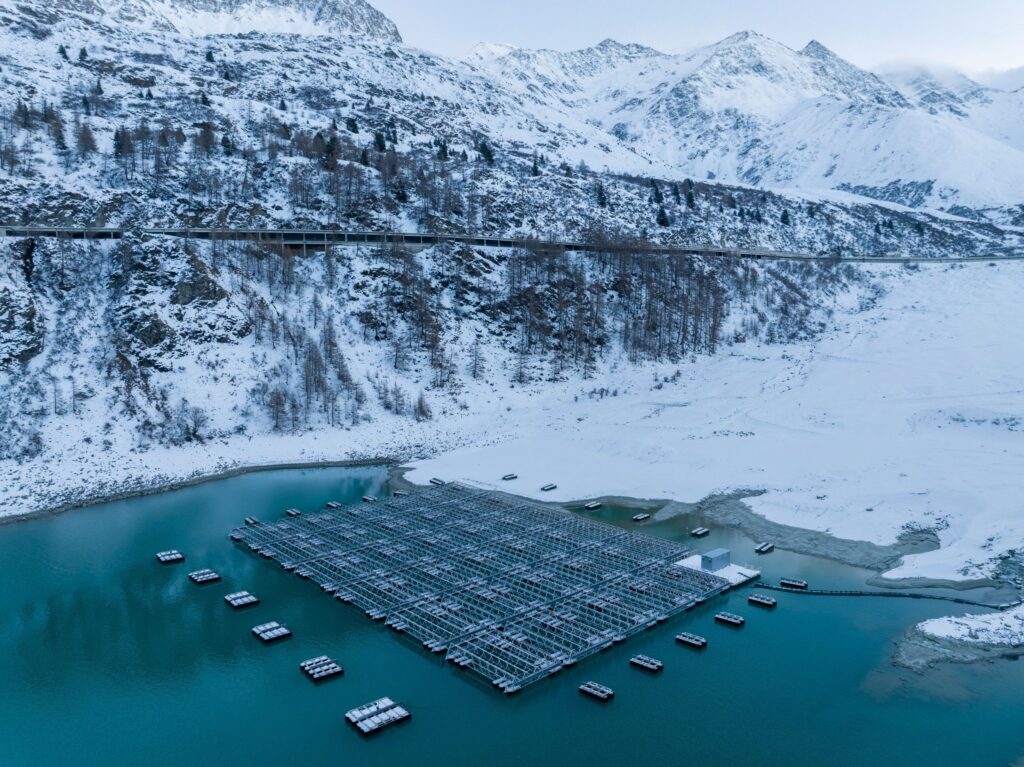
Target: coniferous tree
{"points": [[656, 196], [690, 201], [351, 126], [785, 218], [486, 153], [601, 194], [83, 55], [379, 142], [63, 52], [85, 142], [662, 217]]}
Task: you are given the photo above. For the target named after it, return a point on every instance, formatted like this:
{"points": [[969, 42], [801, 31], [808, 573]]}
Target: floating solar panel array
{"points": [[508, 588]]}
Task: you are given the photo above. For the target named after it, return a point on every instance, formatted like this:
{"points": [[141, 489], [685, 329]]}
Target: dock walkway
{"points": [[892, 595]]}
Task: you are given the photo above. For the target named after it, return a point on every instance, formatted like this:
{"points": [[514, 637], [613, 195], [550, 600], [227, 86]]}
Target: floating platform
{"points": [[760, 600], [399, 494], [437, 482], [510, 589], [293, 513], [271, 632], [203, 576], [321, 668], [647, 663], [549, 488], [692, 640], [730, 619], [794, 583], [592, 506], [700, 532], [510, 477], [241, 599], [332, 505], [736, 575], [251, 521], [171, 557], [369, 499], [641, 517], [597, 691], [377, 715], [765, 548]]}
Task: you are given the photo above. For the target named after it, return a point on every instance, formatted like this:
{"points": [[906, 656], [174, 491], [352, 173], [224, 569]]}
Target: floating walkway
{"points": [[509, 589], [377, 715], [888, 595]]}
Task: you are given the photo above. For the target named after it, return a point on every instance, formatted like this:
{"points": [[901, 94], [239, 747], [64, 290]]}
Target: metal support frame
{"points": [[508, 588]]}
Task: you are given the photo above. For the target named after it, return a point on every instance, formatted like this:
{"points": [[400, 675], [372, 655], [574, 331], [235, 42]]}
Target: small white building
{"points": [[715, 560]]}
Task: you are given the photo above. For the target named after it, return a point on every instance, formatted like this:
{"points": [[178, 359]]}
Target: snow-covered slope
{"points": [[746, 110], [993, 112], [209, 17], [751, 110]]}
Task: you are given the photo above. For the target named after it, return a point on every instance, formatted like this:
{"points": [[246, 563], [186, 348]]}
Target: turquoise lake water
{"points": [[107, 658]]}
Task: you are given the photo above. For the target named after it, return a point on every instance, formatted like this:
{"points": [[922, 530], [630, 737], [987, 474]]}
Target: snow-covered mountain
{"points": [[207, 17], [747, 110], [993, 112], [751, 110]]}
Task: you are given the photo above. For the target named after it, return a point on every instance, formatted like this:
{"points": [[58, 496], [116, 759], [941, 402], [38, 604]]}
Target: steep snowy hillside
{"points": [[994, 112], [206, 17], [751, 110], [108, 125]]}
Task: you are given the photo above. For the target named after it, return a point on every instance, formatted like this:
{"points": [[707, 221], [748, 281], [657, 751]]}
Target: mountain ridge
{"points": [[747, 110], [199, 18]]}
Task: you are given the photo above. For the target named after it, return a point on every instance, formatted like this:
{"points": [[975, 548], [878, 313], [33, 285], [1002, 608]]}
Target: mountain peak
{"points": [[481, 53], [816, 50]]}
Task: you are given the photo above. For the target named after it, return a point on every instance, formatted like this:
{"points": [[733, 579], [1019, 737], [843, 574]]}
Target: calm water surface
{"points": [[106, 658]]}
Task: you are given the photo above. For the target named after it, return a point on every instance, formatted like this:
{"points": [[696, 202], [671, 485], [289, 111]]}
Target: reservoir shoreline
{"points": [[916, 650]]}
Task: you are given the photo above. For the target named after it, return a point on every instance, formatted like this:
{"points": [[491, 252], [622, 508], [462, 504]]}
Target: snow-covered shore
{"points": [[906, 417]]}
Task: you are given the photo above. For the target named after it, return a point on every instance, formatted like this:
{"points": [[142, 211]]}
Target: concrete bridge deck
{"points": [[321, 238]]}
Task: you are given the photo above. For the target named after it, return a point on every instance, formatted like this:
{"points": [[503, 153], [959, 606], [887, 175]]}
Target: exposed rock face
{"points": [[21, 326], [197, 285], [21, 337]]}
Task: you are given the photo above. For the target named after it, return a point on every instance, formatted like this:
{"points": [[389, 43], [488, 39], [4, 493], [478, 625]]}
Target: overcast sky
{"points": [[971, 35]]}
